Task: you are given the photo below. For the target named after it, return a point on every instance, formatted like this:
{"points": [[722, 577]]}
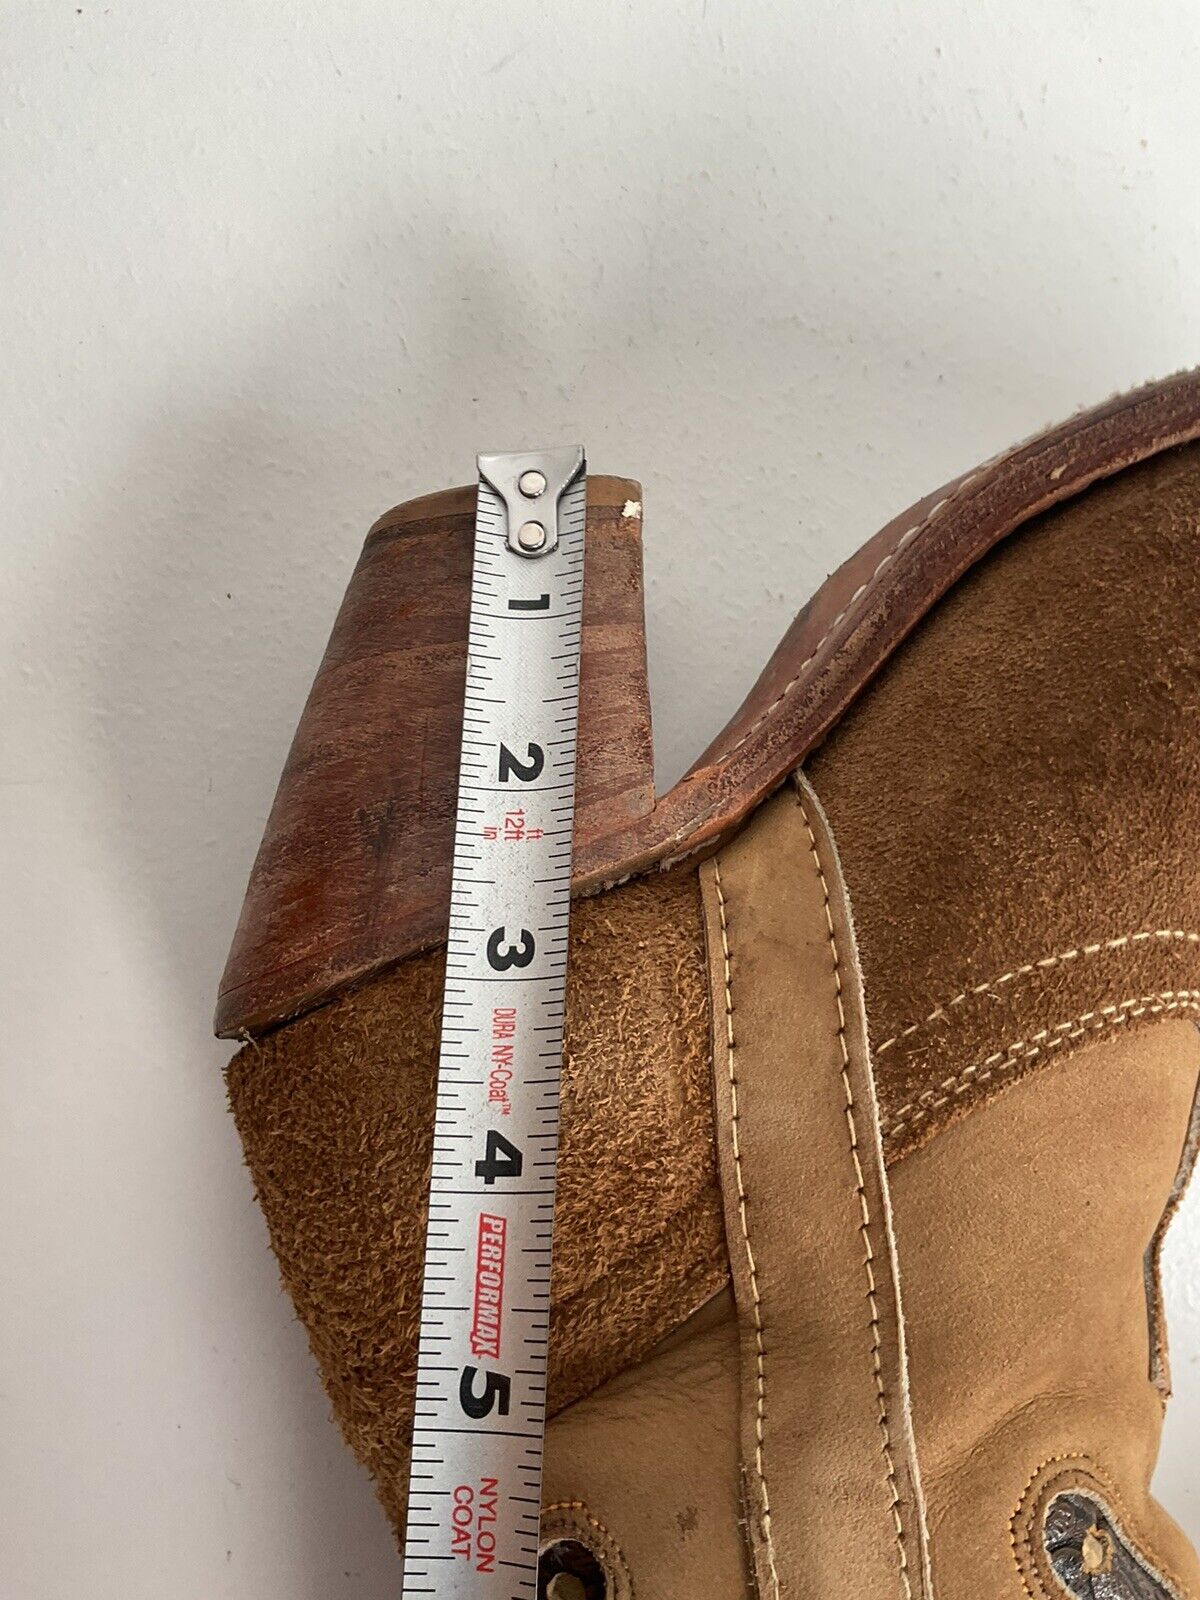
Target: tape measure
{"points": [[479, 1423]]}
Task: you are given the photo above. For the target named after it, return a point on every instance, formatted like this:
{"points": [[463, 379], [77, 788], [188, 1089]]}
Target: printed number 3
{"points": [[515, 955]]}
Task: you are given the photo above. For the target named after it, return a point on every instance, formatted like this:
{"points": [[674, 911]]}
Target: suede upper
{"points": [[1016, 800], [336, 1116]]}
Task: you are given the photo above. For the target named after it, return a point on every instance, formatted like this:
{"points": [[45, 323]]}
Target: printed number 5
{"points": [[496, 1388]]}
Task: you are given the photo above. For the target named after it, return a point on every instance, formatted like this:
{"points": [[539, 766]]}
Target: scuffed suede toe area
{"points": [[1016, 800], [336, 1111]]}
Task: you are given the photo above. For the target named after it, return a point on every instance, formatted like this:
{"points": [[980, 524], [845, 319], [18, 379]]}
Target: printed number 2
{"points": [[500, 1159], [512, 766], [495, 1394]]}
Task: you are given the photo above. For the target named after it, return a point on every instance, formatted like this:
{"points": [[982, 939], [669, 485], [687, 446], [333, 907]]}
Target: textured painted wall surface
{"points": [[266, 270]]}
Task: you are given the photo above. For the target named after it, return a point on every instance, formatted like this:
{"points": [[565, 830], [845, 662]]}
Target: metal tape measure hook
{"points": [[532, 485]]}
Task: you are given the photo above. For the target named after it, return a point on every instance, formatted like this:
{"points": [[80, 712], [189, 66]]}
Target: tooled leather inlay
{"points": [[1090, 1556]]}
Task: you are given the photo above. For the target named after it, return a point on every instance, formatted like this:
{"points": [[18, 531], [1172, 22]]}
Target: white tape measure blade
{"points": [[479, 1420]]}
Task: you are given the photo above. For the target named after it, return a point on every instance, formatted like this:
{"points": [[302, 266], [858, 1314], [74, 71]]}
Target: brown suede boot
{"points": [[884, 1018]]}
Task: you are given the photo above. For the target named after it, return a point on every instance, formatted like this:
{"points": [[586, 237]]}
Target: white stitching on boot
{"points": [[865, 1224], [1175, 935], [760, 1409], [1168, 1000]]}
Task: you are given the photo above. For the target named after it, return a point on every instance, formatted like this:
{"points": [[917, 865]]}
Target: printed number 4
{"points": [[501, 1159]]}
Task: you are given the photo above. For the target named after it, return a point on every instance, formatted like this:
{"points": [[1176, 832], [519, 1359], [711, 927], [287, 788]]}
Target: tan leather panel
{"points": [[649, 1465], [829, 1482], [1022, 1232]]}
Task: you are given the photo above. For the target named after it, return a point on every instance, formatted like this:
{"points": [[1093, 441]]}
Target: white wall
{"points": [[268, 268]]}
